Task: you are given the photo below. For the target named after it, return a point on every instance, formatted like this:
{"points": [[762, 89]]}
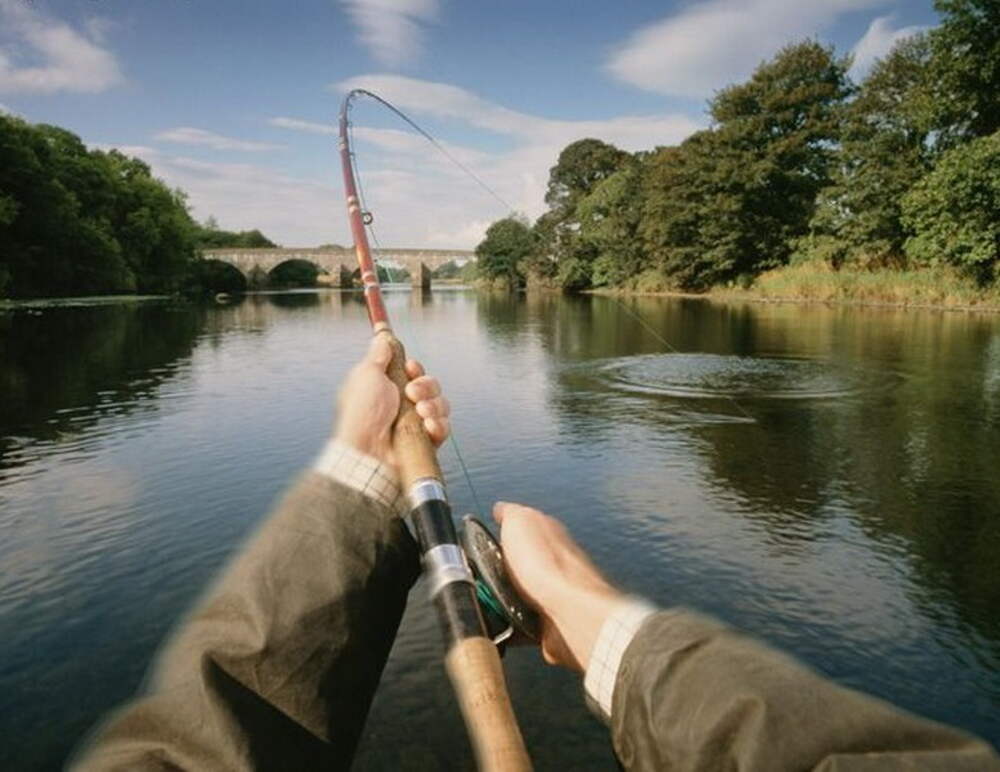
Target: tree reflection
{"points": [[62, 368], [910, 453]]}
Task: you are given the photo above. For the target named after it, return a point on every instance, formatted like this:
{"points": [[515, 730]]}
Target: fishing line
{"points": [[411, 332], [368, 223], [655, 333]]}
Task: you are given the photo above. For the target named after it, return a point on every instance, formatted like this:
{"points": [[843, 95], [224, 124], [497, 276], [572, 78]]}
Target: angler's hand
{"points": [[368, 403], [556, 576]]}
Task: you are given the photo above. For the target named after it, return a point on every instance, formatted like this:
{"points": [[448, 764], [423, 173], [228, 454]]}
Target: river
{"points": [[826, 478]]}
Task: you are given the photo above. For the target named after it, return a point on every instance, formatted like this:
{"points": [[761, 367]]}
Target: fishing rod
{"points": [[472, 659]]}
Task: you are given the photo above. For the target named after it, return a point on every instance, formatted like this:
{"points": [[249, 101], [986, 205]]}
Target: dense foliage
{"points": [[799, 164], [76, 221], [507, 244], [211, 236], [954, 212]]}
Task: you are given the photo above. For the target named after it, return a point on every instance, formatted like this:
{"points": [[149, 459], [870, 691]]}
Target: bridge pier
{"points": [[421, 277]]}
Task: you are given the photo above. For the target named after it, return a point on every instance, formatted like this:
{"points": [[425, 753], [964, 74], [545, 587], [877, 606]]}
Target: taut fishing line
{"points": [[369, 226], [411, 332]]}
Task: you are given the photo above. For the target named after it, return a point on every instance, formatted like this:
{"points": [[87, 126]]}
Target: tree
{"points": [[507, 243], [582, 165], [884, 150], [448, 270], [609, 221], [965, 69], [210, 236], [954, 211], [731, 200]]}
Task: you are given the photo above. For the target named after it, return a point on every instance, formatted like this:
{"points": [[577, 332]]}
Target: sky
{"points": [[235, 102]]}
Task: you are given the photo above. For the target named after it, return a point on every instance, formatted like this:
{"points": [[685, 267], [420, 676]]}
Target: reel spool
{"points": [[504, 611]]}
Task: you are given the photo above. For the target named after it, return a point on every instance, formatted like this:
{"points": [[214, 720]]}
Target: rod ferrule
{"points": [[445, 564], [426, 489]]}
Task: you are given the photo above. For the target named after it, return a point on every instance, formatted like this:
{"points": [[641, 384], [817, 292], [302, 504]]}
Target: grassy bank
{"points": [[818, 283], [937, 287]]}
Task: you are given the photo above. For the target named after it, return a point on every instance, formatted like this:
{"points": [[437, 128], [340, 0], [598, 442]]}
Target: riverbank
{"points": [[930, 288]]}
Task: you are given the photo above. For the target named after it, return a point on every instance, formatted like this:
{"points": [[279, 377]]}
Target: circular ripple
{"points": [[709, 376]]}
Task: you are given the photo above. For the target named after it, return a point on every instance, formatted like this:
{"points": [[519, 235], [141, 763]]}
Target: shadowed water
{"points": [[825, 478]]}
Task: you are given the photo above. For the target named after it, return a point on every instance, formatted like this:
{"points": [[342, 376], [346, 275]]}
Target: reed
{"points": [[814, 281]]}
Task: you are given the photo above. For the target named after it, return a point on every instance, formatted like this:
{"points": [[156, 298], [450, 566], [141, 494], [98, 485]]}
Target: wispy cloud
{"points": [[71, 60], [708, 45], [292, 210], [878, 40], [186, 135], [308, 126], [392, 30], [422, 199]]}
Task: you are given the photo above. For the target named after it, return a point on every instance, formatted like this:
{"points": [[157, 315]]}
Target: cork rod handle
{"points": [[473, 663]]}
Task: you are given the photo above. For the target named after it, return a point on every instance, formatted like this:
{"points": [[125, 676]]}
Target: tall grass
{"points": [[815, 281]]}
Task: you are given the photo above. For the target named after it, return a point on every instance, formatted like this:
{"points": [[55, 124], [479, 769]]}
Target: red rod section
{"points": [[369, 276]]}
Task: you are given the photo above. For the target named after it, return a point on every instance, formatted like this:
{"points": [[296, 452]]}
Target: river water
{"points": [[827, 478]]}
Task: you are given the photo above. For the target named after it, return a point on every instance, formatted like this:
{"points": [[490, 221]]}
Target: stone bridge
{"points": [[339, 264]]}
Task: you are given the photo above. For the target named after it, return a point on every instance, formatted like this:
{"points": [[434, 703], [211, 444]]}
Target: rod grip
{"points": [[476, 674], [415, 454]]}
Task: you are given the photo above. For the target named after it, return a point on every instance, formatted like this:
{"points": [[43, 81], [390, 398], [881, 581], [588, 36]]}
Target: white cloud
{"points": [[442, 100], [307, 126], [392, 29], [185, 135], [70, 60], [291, 210], [421, 199], [877, 42], [709, 45]]}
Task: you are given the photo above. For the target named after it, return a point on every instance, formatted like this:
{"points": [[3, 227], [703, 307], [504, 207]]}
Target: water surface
{"points": [[825, 478]]}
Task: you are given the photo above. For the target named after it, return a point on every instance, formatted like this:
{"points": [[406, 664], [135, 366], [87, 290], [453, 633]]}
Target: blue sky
{"points": [[234, 101]]}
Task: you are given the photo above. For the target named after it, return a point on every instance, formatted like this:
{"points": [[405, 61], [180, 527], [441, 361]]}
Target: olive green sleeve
{"points": [[277, 667], [691, 694]]}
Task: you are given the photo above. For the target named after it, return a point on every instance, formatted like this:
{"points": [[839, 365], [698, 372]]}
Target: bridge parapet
{"points": [[336, 262]]}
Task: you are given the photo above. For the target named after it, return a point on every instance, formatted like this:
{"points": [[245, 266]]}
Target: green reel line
{"points": [[504, 610]]}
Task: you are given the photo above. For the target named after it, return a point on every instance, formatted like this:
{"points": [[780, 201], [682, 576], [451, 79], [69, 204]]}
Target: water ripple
{"points": [[713, 376]]}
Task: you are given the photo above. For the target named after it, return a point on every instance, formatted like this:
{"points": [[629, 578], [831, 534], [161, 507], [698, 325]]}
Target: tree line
{"points": [[77, 221], [798, 164]]}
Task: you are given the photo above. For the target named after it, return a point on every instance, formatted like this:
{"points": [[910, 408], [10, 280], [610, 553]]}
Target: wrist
{"points": [[360, 442], [579, 613]]}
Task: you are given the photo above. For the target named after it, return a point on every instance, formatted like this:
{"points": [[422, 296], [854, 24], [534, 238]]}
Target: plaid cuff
{"points": [[362, 472], [616, 634]]}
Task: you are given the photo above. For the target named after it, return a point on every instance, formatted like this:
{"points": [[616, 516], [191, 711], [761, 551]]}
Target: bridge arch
{"points": [[337, 263]]}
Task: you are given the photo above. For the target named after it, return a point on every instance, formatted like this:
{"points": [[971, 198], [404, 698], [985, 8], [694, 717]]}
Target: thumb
{"points": [[379, 353]]}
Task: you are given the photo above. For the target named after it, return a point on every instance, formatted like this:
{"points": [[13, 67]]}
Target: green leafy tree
{"points": [[730, 201], [580, 167], [560, 250], [966, 69], [79, 221], [210, 236], [885, 149], [501, 253], [449, 270], [954, 211], [609, 221]]}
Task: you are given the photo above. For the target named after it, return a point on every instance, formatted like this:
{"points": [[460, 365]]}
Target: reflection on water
{"points": [[825, 478]]}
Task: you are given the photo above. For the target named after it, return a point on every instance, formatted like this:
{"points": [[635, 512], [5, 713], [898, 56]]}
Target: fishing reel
{"points": [[504, 610]]}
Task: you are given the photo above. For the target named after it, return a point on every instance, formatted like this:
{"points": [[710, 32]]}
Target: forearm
{"points": [[691, 694], [279, 664]]}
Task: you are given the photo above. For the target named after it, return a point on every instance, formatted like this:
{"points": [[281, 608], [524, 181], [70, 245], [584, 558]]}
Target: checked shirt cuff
{"points": [[364, 473], [616, 634]]}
